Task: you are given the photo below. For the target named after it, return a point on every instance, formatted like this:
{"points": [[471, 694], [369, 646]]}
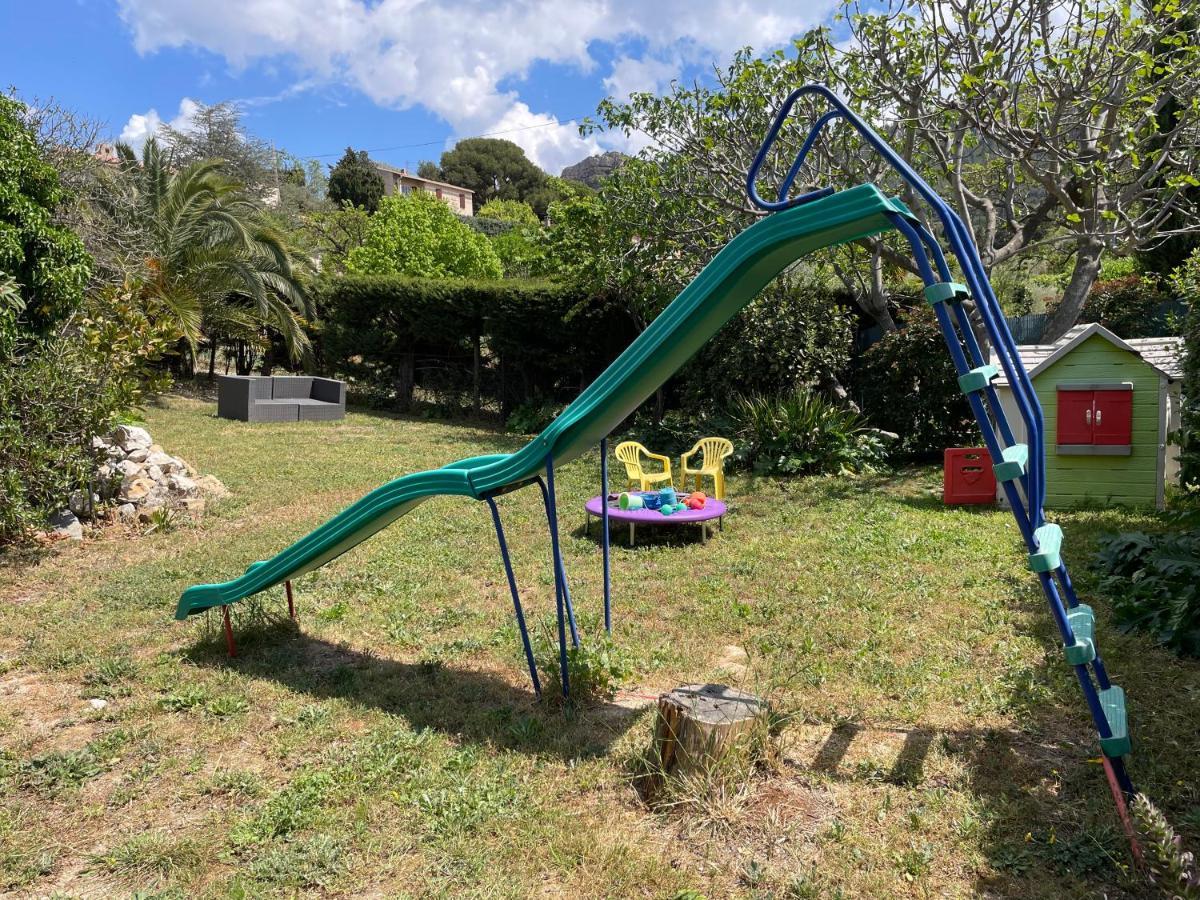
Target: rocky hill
{"points": [[594, 169]]}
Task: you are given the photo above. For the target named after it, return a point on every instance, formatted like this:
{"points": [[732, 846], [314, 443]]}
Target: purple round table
{"points": [[713, 509]]}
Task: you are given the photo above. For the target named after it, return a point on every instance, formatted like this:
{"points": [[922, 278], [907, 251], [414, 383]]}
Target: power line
{"points": [[443, 140]]}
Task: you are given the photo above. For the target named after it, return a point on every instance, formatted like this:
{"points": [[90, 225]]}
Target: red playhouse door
{"points": [[1112, 418], [1075, 416]]}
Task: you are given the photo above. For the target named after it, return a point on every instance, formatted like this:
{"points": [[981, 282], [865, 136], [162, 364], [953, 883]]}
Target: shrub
{"points": [[801, 433], [679, 429], [508, 211], [595, 669], [794, 334], [536, 341], [56, 393], [1153, 582], [532, 416], [490, 227], [906, 384], [1130, 306], [418, 236], [1186, 282], [48, 263], [521, 253]]}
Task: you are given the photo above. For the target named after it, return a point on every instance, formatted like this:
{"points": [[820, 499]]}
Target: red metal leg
{"points": [[291, 603], [229, 644], [1123, 812]]}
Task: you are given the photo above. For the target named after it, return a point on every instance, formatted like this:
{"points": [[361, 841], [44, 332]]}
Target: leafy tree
{"points": [[686, 197], [331, 234], [591, 246], [1071, 123], [508, 211], [554, 190], [1186, 282], [418, 235], [427, 168], [47, 262], [492, 168], [213, 263], [520, 251], [215, 132], [1040, 121], [517, 240], [354, 180]]}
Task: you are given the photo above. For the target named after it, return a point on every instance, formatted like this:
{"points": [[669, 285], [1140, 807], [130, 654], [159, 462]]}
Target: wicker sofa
{"points": [[280, 398]]}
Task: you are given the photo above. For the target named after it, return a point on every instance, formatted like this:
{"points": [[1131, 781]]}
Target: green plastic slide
{"points": [[734, 277]]}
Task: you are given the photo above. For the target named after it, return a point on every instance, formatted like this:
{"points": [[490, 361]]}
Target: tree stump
{"points": [[701, 727]]}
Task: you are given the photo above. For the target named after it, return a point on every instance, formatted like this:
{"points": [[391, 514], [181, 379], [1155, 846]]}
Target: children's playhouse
{"points": [[1111, 408]]}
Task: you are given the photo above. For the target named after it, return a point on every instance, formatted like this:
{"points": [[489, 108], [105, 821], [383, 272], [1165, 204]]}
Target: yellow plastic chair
{"points": [[713, 453], [630, 453]]}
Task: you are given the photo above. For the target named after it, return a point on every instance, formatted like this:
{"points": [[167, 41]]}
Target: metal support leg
{"points": [[230, 646], [559, 581], [604, 537], [560, 573], [516, 597], [287, 585]]}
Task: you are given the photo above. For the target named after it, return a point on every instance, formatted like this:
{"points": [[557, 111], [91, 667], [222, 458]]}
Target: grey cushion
{"points": [[275, 411], [291, 387], [317, 411]]}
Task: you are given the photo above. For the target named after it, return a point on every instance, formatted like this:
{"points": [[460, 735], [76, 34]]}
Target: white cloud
{"points": [[630, 75], [145, 125], [451, 56]]}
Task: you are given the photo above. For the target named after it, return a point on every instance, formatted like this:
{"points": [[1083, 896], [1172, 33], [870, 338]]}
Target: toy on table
{"points": [[665, 501], [695, 500], [713, 453]]}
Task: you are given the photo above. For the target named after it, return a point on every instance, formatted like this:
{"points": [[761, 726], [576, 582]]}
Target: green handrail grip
{"points": [[733, 278], [1015, 458], [1083, 625], [946, 292], [1047, 557], [1112, 701], [977, 379]]}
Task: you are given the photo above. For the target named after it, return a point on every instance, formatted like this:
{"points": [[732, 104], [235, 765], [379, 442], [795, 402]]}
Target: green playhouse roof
{"points": [[1163, 354]]}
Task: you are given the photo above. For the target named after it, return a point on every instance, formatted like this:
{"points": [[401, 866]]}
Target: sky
{"points": [[401, 78]]}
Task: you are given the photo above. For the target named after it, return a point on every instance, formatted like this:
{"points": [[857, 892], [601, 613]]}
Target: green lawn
{"points": [[937, 744]]}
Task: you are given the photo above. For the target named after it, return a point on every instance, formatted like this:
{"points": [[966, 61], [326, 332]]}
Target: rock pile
{"points": [[136, 479]]}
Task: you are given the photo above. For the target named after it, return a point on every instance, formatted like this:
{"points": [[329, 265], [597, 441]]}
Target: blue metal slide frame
{"points": [[1025, 493]]}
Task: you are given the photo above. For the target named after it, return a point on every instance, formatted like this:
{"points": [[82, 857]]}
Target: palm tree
{"points": [[209, 258]]}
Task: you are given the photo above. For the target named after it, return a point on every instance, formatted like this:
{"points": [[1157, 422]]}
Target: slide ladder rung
{"points": [[1015, 458], [1083, 626], [1112, 701], [946, 292], [1047, 557], [977, 379]]}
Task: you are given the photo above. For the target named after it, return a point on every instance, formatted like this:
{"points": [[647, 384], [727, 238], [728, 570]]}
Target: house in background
{"points": [[1111, 408], [461, 200]]}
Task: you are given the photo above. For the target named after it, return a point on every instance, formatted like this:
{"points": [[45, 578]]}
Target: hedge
{"points": [[463, 342]]}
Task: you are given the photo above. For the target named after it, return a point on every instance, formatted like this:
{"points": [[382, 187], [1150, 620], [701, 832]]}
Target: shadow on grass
{"points": [[1033, 830], [472, 705], [19, 557], [646, 535]]}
